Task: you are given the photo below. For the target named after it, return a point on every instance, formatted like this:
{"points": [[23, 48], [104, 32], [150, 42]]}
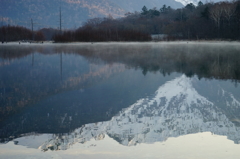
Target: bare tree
{"points": [[215, 14], [94, 22], [229, 10]]}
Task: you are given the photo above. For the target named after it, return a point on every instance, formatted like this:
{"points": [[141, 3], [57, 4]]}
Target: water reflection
{"points": [[175, 110], [59, 90], [209, 60]]}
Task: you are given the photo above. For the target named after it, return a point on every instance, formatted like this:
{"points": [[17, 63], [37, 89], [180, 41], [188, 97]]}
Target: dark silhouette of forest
{"points": [[202, 22], [17, 33]]}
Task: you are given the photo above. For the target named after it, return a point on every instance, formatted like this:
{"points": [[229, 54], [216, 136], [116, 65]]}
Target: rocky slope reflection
{"points": [[176, 109]]}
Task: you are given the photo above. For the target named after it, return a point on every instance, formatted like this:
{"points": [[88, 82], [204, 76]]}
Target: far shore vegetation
{"points": [[210, 21]]}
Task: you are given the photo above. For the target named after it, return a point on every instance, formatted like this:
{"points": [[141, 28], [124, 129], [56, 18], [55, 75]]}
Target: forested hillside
{"points": [[192, 22], [204, 21], [45, 13]]}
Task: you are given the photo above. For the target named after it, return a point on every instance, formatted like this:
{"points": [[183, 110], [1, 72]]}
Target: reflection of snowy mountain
{"points": [[176, 109]]}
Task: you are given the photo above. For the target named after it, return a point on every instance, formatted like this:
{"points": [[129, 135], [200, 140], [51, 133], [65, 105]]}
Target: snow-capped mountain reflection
{"points": [[176, 109]]}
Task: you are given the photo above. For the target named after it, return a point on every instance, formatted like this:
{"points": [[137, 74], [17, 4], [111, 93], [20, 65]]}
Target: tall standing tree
{"points": [[215, 14], [228, 11], [190, 6], [163, 9], [144, 10], [200, 3]]}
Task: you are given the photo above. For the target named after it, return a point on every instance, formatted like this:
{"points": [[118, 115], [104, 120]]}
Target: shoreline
{"points": [[122, 42]]}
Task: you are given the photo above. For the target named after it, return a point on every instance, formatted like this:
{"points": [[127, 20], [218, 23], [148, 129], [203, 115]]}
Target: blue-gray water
{"points": [[134, 93]]}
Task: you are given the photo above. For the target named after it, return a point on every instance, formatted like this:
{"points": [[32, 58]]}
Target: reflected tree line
{"points": [[24, 85], [220, 62], [208, 61]]}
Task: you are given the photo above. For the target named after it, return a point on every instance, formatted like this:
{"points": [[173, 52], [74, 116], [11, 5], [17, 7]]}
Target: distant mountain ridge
{"points": [[136, 5], [195, 2], [45, 13]]}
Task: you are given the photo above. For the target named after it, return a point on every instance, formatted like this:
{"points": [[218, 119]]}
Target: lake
{"points": [[120, 100]]}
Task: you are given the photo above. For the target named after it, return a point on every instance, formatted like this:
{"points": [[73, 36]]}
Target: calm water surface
{"points": [[120, 100]]}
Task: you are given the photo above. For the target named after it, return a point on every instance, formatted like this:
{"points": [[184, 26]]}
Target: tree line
{"points": [[203, 21], [18, 33], [103, 29]]}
